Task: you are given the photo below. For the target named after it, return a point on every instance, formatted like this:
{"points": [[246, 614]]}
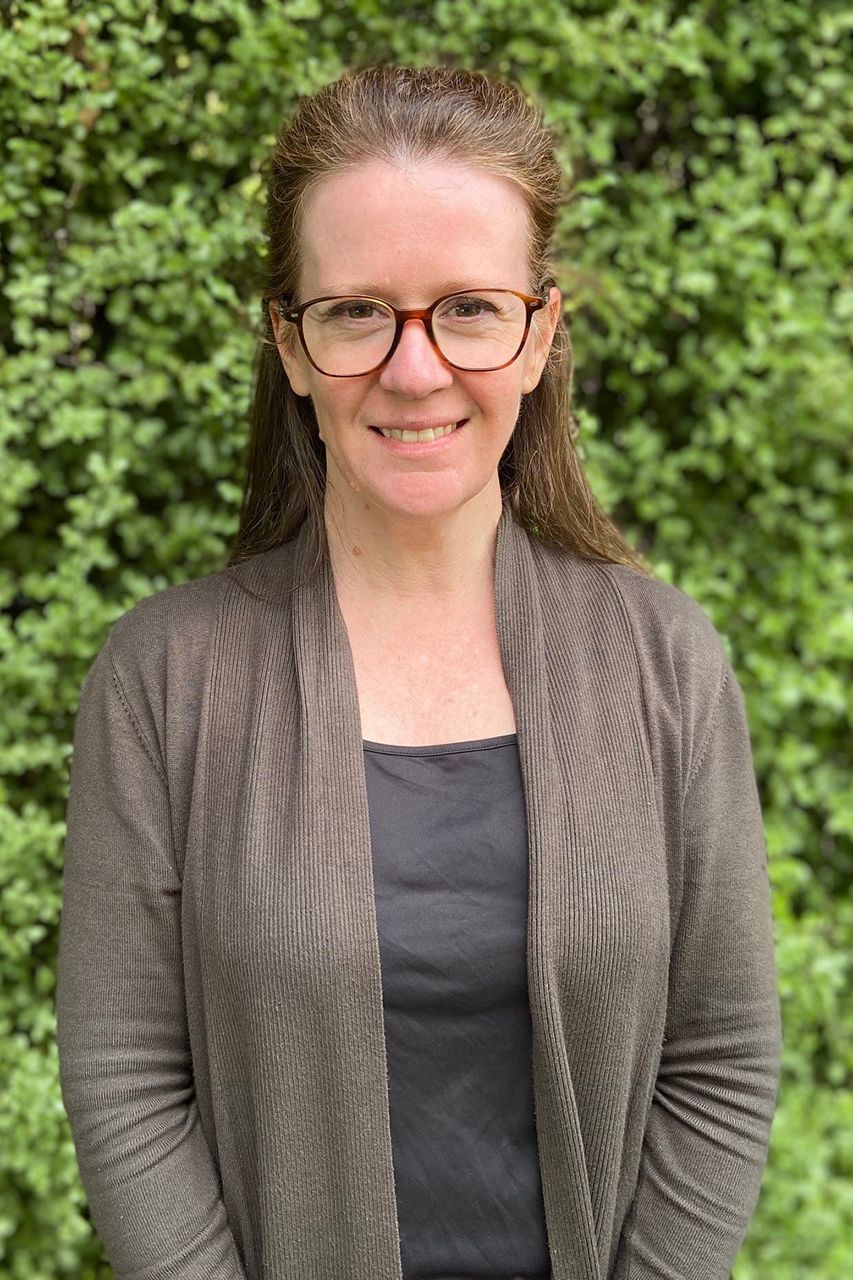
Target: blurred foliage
{"points": [[709, 245]]}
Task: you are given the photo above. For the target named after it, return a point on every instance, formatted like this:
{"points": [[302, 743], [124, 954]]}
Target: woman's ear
{"points": [[289, 349], [543, 327]]}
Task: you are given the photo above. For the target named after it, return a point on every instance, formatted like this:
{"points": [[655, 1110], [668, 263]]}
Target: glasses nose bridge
{"points": [[415, 313], [403, 316], [424, 314]]}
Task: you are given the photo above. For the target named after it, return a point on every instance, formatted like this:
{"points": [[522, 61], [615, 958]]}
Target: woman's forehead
{"points": [[369, 225]]}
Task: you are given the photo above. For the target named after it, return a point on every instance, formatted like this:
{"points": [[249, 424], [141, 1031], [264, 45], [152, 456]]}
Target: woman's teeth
{"points": [[419, 435]]}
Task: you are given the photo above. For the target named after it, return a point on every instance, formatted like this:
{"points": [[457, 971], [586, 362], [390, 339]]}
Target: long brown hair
{"points": [[411, 114]]}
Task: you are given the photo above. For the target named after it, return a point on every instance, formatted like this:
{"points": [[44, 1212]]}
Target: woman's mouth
{"points": [[420, 444]]}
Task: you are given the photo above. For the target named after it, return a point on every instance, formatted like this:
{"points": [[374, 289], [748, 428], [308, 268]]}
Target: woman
{"points": [[416, 915]]}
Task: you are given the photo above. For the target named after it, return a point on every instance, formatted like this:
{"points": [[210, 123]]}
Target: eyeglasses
{"points": [[475, 330]]}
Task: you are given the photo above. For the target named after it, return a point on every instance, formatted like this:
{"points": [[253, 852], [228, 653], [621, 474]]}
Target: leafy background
{"points": [[710, 242]]}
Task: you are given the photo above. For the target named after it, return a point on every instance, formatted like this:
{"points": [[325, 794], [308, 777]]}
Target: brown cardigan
{"points": [[219, 998]]}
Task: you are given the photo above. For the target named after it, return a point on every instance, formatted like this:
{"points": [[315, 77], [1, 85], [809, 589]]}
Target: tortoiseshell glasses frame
{"points": [[532, 303]]}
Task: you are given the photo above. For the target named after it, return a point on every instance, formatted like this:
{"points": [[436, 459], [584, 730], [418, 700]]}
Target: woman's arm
{"points": [[124, 1057], [708, 1131]]}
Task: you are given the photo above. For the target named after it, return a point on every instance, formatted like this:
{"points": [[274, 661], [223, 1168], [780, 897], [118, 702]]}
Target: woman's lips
{"points": [[436, 426], [419, 446]]}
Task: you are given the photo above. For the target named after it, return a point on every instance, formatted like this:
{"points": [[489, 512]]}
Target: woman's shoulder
{"points": [[627, 620], [159, 649], [179, 616], [665, 618], [665, 622], [182, 616], [681, 656]]}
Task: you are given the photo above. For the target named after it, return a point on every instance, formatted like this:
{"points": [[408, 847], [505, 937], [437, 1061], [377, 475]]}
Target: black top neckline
{"points": [[444, 748]]}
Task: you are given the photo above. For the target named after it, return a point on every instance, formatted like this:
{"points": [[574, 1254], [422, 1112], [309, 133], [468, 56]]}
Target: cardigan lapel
{"points": [[521, 636], [335, 830]]}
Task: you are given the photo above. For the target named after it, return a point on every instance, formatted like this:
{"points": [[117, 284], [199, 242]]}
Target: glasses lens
{"points": [[348, 335], [480, 330]]}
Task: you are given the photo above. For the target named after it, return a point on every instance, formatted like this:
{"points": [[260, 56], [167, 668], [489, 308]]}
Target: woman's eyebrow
{"points": [[378, 291]]}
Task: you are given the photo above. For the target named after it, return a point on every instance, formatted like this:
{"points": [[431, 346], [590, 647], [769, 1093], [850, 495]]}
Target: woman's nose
{"points": [[416, 366]]}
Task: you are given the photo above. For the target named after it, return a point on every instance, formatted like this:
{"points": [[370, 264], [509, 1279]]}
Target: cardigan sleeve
{"points": [[708, 1129], [125, 1065]]}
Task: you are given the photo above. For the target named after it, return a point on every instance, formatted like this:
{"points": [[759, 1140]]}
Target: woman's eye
{"points": [[469, 308], [346, 309]]}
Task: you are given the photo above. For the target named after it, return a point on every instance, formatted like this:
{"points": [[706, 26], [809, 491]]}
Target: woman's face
{"points": [[408, 236]]}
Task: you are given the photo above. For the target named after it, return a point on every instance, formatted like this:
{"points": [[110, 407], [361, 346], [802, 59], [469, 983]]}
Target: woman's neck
{"points": [[407, 565]]}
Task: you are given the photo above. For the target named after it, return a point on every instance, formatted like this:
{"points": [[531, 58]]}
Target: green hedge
{"points": [[710, 241]]}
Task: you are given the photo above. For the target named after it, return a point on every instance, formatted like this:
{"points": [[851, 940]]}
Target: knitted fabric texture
{"points": [[219, 997]]}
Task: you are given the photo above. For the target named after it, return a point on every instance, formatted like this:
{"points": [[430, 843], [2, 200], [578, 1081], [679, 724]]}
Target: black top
{"points": [[449, 837]]}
